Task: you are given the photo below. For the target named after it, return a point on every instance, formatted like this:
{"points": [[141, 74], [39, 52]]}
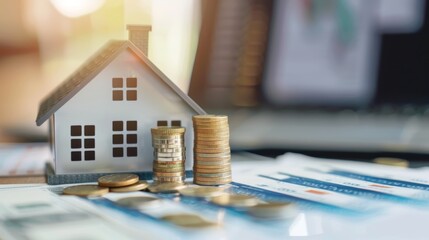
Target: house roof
{"points": [[91, 68]]}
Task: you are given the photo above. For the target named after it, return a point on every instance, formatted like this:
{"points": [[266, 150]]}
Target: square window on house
{"points": [[162, 123], [131, 138], [131, 152], [76, 130], [76, 143], [90, 143], [117, 95], [89, 155], [76, 156], [131, 95], [89, 130], [118, 139], [176, 123], [117, 83], [131, 125], [117, 126], [131, 82], [118, 152]]}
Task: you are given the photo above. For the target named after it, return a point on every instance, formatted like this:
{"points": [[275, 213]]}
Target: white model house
{"points": [[100, 117]]}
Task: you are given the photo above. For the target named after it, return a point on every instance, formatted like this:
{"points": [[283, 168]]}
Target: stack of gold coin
{"points": [[169, 154], [212, 154]]}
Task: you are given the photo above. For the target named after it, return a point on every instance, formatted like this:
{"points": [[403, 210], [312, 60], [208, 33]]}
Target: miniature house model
{"points": [[100, 117]]}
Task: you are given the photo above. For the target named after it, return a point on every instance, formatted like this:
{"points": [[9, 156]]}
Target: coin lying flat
{"points": [[235, 200], [167, 187], [203, 192], [398, 162], [118, 180], [138, 186], [273, 210], [86, 190], [139, 202], [188, 220]]}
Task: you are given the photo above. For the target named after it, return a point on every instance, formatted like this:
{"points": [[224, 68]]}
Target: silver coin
{"points": [[168, 141], [168, 137], [174, 154], [169, 159], [167, 145], [169, 150]]}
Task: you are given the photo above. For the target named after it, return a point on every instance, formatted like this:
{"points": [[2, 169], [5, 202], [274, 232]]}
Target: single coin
{"points": [[139, 202], [174, 174], [118, 180], [211, 146], [161, 163], [211, 163], [169, 150], [205, 143], [166, 187], [273, 210], [168, 141], [224, 165], [167, 130], [203, 192], [212, 183], [235, 200], [213, 150], [140, 185], [171, 137], [211, 170], [397, 162], [204, 159], [209, 117], [167, 146], [175, 154], [188, 220], [214, 130], [170, 159], [212, 175], [214, 155], [86, 190], [167, 170]]}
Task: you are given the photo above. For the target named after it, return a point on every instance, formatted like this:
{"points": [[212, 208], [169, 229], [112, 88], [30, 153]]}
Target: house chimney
{"points": [[139, 35]]}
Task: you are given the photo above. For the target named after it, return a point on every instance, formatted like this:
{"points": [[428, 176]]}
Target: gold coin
{"points": [[235, 200], [210, 170], [86, 190], [213, 150], [169, 174], [202, 176], [218, 166], [139, 202], [398, 162], [161, 163], [212, 130], [273, 210], [118, 180], [210, 139], [166, 187], [211, 163], [205, 143], [141, 185], [188, 220], [212, 183], [203, 192], [163, 131], [175, 154], [169, 170], [210, 117], [204, 159], [210, 146], [212, 135], [212, 178], [214, 155]]}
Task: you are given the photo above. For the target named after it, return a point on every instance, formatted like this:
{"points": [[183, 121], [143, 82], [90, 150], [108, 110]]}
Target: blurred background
{"points": [[314, 75]]}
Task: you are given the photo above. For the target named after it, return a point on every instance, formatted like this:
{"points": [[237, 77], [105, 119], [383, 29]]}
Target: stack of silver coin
{"points": [[169, 154]]}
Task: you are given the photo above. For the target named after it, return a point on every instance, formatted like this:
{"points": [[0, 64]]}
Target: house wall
{"points": [[93, 105]]}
